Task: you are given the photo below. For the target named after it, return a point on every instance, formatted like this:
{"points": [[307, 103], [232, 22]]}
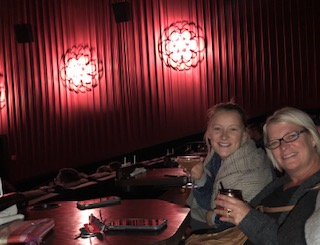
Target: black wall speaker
{"points": [[23, 33], [122, 11]]}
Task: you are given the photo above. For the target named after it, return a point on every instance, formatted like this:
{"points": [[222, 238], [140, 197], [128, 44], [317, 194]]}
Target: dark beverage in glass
{"points": [[231, 193]]}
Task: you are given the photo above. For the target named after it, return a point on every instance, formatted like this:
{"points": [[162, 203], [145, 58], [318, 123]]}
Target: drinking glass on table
{"points": [[188, 162]]}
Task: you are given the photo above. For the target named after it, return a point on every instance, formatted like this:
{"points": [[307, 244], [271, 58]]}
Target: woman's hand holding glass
{"points": [[197, 171], [232, 209]]}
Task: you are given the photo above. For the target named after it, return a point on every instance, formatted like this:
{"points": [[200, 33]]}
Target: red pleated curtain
{"points": [[263, 53]]}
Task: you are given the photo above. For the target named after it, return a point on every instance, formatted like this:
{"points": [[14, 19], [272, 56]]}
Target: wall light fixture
{"points": [[79, 69], [181, 45], [3, 100]]}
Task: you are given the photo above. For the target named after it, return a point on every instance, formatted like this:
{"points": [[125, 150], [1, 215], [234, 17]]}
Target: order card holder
{"points": [[27, 232]]}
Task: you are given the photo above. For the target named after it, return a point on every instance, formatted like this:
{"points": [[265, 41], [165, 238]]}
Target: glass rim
{"points": [[188, 157]]}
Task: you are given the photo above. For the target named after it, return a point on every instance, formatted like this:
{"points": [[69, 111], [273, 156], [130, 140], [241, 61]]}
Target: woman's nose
{"points": [[283, 144], [224, 134]]}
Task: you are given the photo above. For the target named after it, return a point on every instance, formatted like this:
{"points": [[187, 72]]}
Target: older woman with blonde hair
{"points": [[277, 215]]}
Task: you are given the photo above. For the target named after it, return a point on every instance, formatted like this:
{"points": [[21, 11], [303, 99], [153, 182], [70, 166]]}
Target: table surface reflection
{"points": [[69, 219]]}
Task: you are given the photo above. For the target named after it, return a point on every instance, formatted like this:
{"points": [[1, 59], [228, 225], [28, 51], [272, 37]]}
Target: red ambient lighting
{"points": [[182, 45], [79, 70]]}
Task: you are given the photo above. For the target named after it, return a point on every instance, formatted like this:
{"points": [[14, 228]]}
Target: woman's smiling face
{"points": [[295, 156], [226, 132]]}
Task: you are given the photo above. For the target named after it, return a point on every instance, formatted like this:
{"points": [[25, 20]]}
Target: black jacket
{"points": [[289, 228]]}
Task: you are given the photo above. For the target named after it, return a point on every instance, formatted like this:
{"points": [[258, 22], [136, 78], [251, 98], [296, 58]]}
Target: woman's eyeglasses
{"points": [[289, 137]]}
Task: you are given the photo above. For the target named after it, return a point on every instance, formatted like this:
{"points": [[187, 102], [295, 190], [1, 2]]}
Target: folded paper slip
{"points": [[27, 232], [138, 171]]}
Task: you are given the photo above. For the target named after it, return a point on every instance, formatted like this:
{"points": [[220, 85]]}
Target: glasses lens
{"points": [[291, 137], [273, 144]]}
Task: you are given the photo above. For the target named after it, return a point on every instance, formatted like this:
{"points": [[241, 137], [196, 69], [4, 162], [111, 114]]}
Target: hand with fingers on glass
{"points": [[197, 171], [231, 209]]}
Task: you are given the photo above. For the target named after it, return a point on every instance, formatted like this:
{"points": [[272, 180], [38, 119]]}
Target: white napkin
{"points": [[138, 171], [9, 211], [10, 214], [10, 218]]}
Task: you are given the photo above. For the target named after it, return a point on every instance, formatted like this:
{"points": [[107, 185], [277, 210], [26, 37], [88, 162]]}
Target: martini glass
{"points": [[188, 162]]}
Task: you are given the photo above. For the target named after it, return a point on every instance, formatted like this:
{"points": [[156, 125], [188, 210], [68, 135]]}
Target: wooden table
{"points": [[176, 195], [69, 219]]}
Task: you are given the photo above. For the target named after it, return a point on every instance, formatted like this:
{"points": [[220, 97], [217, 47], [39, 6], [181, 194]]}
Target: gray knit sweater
{"points": [[248, 169]]}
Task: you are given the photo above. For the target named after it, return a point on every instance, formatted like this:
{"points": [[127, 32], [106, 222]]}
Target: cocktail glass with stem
{"points": [[188, 162]]}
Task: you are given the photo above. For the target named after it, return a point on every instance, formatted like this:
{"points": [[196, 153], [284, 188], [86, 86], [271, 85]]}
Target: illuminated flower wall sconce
{"points": [[3, 100], [79, 69], [182, 45]]}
